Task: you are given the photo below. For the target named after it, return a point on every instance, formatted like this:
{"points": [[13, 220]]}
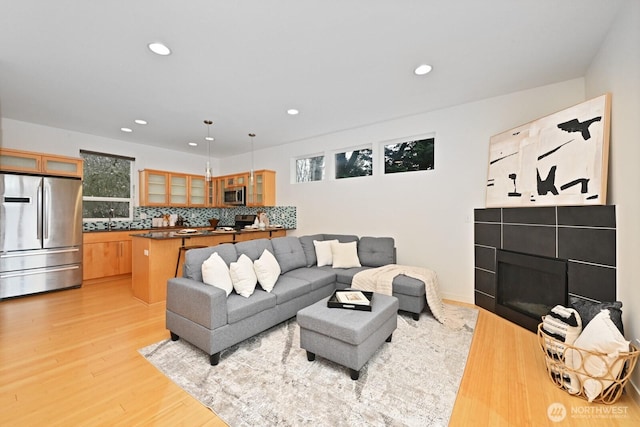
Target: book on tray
{"points": [[351, 299]]}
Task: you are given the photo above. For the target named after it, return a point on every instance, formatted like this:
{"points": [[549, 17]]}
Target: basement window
{"points": [[107, 185]]}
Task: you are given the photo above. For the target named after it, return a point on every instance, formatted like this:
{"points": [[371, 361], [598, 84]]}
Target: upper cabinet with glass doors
{"points": [[162, 188], [48, 164]]}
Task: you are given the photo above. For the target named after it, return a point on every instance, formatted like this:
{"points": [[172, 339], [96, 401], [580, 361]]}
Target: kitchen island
{"points": [[155, 254]]}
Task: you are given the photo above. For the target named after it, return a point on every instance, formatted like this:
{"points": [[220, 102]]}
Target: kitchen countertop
{"points": [[162, 235]]}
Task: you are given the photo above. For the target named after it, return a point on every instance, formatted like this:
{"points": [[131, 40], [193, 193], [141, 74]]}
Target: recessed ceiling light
{"points": [[292, 111], [159, 49], [126, 130], [209, 138], [193, 144], [140, 121], [423, 69]]}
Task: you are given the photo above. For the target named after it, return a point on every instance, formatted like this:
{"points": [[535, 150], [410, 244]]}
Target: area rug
{"points": [[267, 380]]}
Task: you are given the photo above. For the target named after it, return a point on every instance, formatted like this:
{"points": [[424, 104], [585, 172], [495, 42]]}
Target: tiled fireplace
{"points": [[529, 259]]}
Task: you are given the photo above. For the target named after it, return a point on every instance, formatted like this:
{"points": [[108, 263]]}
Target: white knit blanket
{"points": [[380, 280]]}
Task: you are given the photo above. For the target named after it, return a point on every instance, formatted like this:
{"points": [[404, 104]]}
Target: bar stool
{"points": [[182, 249]]}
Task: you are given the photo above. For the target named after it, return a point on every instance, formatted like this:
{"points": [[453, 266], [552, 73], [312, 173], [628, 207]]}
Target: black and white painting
{"points": [[557, 160]]}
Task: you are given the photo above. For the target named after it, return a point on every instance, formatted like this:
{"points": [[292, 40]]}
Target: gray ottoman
{"points": [[347, 337]]}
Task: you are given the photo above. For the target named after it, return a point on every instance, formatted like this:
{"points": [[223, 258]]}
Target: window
{"points": [[354, 163], [310, 169], [106, 185], [409, 156]]}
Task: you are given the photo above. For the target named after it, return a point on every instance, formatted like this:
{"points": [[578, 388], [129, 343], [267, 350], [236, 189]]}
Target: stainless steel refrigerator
{"points": [[40, 234]]}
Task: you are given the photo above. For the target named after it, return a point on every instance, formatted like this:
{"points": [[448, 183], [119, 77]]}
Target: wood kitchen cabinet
{"points": [[105, 254], [197, 190], [49, 164], [162, 188], [154, 188], [178, 189], [262, 192]]}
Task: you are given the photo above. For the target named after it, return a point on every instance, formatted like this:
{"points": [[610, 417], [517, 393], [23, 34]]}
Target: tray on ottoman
{"points": [[334, 303]]}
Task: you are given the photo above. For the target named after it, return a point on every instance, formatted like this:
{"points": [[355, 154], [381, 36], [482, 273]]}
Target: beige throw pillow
{"points": [[216, 273], [323, 251], [243, 276], [267, 270], [345, 255], [599, 336]]}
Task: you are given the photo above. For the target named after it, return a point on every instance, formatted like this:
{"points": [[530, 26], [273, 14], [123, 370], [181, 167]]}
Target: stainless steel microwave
{"points": [[235, 196]]}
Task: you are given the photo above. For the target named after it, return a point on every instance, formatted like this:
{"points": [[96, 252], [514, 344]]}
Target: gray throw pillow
{"points": [[589, 309]]}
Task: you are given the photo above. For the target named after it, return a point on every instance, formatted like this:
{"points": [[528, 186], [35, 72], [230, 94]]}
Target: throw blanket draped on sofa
{"points": [[381, 280]]}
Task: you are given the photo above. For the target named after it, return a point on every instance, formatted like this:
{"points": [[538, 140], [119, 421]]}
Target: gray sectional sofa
{"points": [[212, 321]]}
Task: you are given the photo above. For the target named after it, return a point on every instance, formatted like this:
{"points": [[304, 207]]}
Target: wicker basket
{"points": [[612, 385]]}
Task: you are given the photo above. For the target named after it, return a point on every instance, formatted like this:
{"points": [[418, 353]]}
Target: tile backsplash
{"points": [[198, 217]]}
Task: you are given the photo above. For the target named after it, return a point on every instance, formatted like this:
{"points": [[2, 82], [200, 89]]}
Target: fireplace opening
{"points": [[528, 286]]}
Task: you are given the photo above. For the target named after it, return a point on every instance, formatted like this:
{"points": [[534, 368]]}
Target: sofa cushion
{"points": [[344, 275], [289, 253], [376, 251], [316, 276], [243, 276], [215, 272], [309, 248], [289, 288], [239, 307], [254, 248], [345, 255], [194, 258], [267, 270], [408, 286]]}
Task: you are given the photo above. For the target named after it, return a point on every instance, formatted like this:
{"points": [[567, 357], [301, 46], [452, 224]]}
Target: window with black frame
{"points": [[107, 186]]}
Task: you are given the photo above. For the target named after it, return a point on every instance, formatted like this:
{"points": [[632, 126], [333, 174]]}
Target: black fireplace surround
{"points": [[542, 256]]}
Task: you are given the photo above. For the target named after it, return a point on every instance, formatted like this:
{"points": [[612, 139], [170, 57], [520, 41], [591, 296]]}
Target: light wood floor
{"points": [[70, 358]]}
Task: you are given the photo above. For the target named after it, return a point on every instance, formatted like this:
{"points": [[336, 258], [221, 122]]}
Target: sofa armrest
{"points": [[200, 303]]}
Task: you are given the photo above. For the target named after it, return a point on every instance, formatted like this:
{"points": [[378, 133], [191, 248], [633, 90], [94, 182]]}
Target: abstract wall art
{"points": [[557, 160]]}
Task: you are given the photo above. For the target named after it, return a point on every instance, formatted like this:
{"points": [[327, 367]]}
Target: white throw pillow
{"points": [[345, 255], [600, 336], [323, 251], [267, 270], [243, 276], [216, 273]]}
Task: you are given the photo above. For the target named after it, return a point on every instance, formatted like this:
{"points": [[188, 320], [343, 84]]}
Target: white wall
{"points": [[429, 213], [33, 137], [616, 69]]}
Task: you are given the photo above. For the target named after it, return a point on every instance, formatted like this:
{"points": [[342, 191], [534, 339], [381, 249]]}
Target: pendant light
{"points": [[251, 135], [208, 138]]}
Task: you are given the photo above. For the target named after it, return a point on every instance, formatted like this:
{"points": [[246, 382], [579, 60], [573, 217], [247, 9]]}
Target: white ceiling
{"points": [[84, 65]]}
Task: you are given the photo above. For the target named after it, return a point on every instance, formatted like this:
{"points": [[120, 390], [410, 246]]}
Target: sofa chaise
{"points": [[206, 317]]}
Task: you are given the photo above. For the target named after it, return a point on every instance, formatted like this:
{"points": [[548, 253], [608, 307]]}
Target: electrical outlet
{"points": [[143, 215], [281, 216], [193, 215]]}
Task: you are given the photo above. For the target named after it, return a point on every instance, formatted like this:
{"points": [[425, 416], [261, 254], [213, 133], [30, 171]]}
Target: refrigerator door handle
{"points": [[34, 253], [32, 272], [39, 214], [45, 213]]}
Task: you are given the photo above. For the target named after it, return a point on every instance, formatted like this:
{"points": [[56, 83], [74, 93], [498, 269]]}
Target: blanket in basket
{"points": [[380, 280]]}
